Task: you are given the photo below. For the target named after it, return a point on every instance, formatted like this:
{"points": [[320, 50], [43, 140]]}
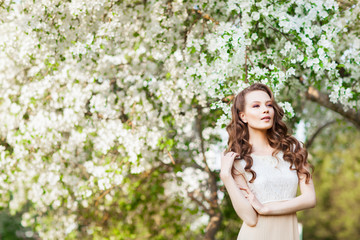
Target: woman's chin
{"points": [[262, 128]]}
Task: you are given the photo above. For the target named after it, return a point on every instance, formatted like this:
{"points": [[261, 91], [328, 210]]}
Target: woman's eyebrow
{"points": [[256, 101]]}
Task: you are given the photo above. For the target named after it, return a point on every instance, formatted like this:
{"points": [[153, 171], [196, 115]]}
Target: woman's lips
{"points": [[266, 118]]}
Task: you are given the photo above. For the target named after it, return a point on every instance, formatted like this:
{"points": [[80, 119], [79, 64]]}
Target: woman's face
{"points": [[259, 111]]}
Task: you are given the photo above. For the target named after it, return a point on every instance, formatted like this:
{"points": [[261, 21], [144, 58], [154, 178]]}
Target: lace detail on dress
{"points": [[274, 180]]}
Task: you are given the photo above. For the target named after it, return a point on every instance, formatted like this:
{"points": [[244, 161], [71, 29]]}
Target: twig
{"points": [[192, 197], [103, 195], [171, 157], [205, 16]]}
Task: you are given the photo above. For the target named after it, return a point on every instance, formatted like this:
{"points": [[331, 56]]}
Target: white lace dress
{"points": [[274, 182]]}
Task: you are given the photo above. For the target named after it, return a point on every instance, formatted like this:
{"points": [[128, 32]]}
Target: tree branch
{"points": [[246, 68], [323, 99], [309, 142], [193, 198]]}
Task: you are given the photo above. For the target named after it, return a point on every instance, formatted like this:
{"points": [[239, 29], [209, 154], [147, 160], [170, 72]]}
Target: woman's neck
{"points": [[258, 140]]}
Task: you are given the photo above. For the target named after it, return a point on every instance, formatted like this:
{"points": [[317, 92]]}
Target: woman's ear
{"points": [[242, 117]]}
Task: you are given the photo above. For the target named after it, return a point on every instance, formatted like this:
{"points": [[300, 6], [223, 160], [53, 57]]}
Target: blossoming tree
{"points": [[103, 99]]}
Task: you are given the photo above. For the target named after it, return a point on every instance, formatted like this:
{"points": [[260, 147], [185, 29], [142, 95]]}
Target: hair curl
{"points": [[277, 136]]}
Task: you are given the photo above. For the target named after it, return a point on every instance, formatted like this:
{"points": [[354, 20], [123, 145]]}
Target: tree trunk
{"points": [[213, 226], [214, 210]]}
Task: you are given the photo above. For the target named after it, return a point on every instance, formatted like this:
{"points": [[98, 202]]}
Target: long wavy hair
{"points": [[277, 136]]}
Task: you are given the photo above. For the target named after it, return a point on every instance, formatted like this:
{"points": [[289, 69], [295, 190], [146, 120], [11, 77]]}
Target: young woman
{"points": [[262, 168]]}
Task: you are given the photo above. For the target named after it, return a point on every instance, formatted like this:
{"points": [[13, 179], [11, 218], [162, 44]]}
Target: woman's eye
{"points": [[270, 105], [255, 106]]}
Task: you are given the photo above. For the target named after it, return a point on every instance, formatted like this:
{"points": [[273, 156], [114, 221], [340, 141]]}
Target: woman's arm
{"points": [[241, 205], [307, 199]]}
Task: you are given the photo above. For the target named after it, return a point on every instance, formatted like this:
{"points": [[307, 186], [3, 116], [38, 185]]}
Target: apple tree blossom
{"points": [[103, 99]]}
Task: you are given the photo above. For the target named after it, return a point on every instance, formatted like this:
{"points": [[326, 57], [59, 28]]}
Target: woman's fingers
{"points": [[246, 194], [231, 154], [245, 189], [228, 155]]}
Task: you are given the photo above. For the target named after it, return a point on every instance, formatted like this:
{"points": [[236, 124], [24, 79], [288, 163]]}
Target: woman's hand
{"points": [[255, 203], [227, 161]]}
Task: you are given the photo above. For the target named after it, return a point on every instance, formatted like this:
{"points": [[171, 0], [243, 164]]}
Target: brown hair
{"points": [[277, 135]]}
